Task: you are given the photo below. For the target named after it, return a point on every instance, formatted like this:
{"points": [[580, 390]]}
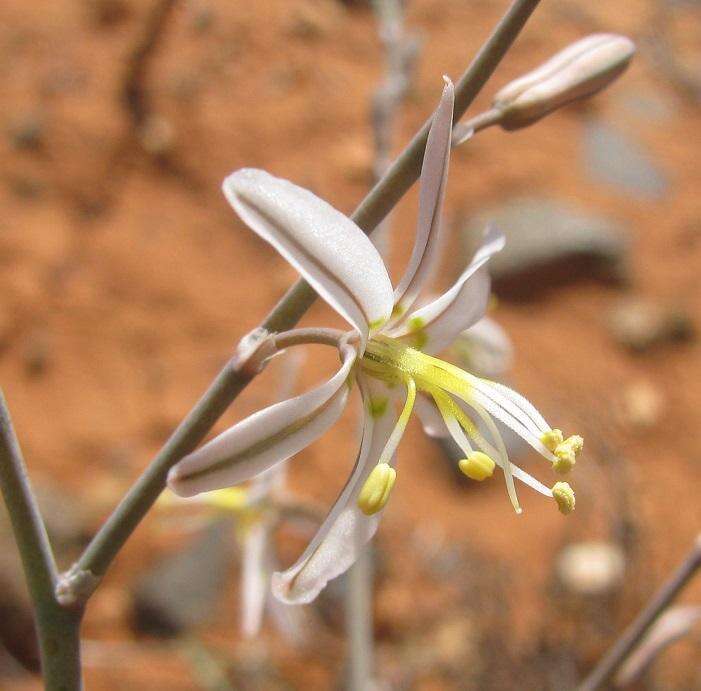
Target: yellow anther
{"points": [[566, 453], [477, 466], [233, 499], [564, 496], [376, 490], [551, 439], [575, 442]]}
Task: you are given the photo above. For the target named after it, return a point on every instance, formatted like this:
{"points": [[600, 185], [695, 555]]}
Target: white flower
{"points": [[390, 350]]}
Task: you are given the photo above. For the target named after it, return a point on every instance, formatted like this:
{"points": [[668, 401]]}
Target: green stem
{"points": [[359, 620], [59, 641], [58, 627], [231, 381], [119, 526], [405, 171]]}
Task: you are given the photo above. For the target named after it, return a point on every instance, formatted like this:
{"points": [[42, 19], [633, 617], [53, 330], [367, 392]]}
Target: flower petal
{"points": [[326, 247], [346, 530], [435, 326], [434, 177], [431, 419], [265, 438], [484, 349], [254, 577]]}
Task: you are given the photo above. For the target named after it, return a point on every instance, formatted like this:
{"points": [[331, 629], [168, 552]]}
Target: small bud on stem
{"points": [[578, 71]]}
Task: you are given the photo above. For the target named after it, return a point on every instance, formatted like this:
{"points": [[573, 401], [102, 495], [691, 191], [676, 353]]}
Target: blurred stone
{"points": [[455, 642], [157, 135], [202, 18], [441, 558], [549, 243], [182, 590], [642, 405], [108, 12], [639, 324], [27, 133], [651, 107], [311, 21], [25, 187], [613, 158], [36, 354], [591, 568]]}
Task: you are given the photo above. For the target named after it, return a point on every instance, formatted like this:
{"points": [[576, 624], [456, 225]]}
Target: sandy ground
{"points": [[126, 281]]}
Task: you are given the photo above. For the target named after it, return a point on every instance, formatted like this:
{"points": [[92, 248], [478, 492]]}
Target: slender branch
{"points": [[57, 627], [232, 380], [614, 658], [405, 171], [119, 526], [323, 336], [401, 51], [464, 130], [359, 621], [27, 523]]}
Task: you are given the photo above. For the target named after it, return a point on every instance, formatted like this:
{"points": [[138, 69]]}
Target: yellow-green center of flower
{"points": [[396, 363]]}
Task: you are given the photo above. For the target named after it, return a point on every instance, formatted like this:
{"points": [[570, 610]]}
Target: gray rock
{"points": [[615, 159], [591, 568], [182, 590], [27, 132], [640, 324], [549, 243], [647, 107]]}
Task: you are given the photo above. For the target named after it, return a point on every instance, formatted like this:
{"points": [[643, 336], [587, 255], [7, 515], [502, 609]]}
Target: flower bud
{"points": [[578, 71]]}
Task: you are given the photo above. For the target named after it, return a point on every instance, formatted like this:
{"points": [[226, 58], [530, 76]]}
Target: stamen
{"points": [[506, 463], [487, 389], [566, 453], [523, 403], [551, 439], [477, 466], [376, 490], [564, 496], [452, 412], [501, 412], [447, 410], [456, 420], [398, 431]]}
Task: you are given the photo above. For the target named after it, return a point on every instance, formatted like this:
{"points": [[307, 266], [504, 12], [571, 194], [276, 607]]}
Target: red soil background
{"points": [[126, 281]]}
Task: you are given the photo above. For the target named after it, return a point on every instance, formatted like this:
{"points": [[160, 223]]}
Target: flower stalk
{"points": [[57, 626], [575, 73], [229, 383]]}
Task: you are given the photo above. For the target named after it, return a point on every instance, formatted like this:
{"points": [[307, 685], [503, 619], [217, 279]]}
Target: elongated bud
{"points": [[375, 492], [578, 71]]}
